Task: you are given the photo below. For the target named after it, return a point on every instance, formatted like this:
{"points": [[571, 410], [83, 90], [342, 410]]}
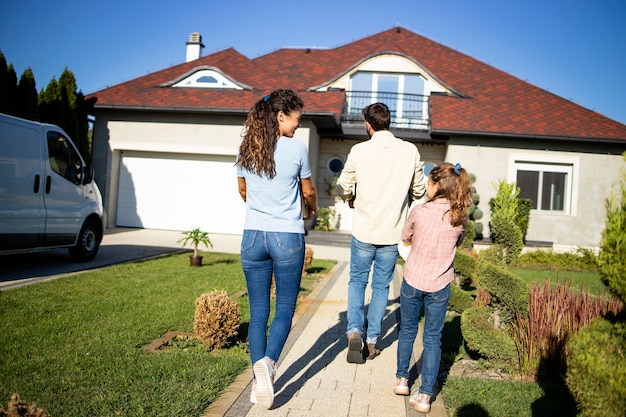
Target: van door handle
{"points": [[36, 188], [48, 183]]}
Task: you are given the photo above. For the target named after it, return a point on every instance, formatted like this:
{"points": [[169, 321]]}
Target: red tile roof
{"points": [[490, 101]]}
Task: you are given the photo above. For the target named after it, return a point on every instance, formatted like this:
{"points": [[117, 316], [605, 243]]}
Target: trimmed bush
{"points": [[583, 259], [613, 246], [506, 289], [504, 212], [596, 372], [470, 236], [480, 335], [19, 408], [216, 319], [459, 300], [464, 267]]}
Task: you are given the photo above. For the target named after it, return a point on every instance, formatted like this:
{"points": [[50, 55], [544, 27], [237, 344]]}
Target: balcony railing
{"points": [[408, 111]]}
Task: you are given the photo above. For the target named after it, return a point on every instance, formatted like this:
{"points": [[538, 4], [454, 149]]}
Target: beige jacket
{"points": [[389, 175]]}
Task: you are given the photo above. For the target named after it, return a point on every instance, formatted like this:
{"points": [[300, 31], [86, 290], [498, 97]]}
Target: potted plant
{"points": [[195, 236]]}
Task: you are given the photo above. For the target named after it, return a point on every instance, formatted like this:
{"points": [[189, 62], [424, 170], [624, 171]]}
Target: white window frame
{"points": [[192, 81], [399, 104], [550, 163]]}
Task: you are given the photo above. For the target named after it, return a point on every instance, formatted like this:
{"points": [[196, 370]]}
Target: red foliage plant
{"points": [[542, 336]]}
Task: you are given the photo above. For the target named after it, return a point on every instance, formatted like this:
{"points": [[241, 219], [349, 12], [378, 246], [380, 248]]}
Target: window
{"points": [[334, 165], [63, 158], [402, 93], [207, 79], [549, 186]]}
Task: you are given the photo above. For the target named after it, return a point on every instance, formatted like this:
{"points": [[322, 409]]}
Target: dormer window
{"points": [[404, 94], [207, 79]]}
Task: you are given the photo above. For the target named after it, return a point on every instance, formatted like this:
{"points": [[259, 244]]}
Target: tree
{"points": [[50, 104], [8, 87], [27, 96]]}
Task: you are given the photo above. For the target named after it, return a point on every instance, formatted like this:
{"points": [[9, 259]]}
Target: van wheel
{"points": [[88, 242]]}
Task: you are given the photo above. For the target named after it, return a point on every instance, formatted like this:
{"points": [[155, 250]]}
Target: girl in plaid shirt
{"points": [[433, 230]]}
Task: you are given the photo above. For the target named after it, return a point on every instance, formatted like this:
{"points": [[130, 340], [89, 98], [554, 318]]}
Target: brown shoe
{"points": [[372, 351], [355, 343]]}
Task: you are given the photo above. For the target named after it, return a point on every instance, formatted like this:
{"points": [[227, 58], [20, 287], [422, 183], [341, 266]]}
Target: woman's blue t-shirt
{"points": [[274, 205]]}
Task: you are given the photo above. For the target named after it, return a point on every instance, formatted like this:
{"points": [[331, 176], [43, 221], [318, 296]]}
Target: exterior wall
{"points": [[430, 153], [596, 169], [115, 133]]}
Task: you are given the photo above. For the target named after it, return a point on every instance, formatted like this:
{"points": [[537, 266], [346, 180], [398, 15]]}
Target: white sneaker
{"points": [[420, 402], [253, 399], [264, 373]]}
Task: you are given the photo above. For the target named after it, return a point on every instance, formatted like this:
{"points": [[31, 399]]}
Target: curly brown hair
{"points": [[256, 152], [455, 185]]}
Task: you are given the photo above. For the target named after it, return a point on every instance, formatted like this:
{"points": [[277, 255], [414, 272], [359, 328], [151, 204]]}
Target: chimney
{"points": [[194, 46]]}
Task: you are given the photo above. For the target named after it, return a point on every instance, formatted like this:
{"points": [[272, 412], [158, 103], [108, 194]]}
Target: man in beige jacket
{"points": [[386, 175]]}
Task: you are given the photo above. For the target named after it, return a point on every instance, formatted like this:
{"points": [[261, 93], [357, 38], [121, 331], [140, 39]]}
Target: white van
{"points": [[48, 198]]}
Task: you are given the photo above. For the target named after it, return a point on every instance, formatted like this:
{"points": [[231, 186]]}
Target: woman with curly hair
{"points": [[273, 173]]}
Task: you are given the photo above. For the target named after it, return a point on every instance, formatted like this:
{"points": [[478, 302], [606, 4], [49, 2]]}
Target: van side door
{"points": [[63, 190], [22, 214]]}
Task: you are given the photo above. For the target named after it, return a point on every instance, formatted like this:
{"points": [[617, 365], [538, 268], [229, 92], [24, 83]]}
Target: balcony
{"points": [[408, 111]]}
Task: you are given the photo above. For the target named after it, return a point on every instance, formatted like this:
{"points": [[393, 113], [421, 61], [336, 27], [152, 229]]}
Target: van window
{"points": [[64, 159]]}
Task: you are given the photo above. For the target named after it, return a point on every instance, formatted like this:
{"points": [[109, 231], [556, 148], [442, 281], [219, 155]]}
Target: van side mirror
{"points": [[87, 174]]}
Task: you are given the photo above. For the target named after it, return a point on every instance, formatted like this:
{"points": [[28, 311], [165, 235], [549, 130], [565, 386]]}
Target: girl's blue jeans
{"points": [[435, 305], [264, 253]]}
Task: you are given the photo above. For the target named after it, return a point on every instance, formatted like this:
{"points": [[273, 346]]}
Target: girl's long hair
{"points": [[256, 152], [456, 188]]}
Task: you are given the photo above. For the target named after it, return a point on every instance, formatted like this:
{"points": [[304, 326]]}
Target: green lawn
{"points": [[73, 346], [588, 280]]}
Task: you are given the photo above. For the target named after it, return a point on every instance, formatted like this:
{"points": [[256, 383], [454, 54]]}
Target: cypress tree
{"points": [[50, 108], [67, 86], [10, 93], [27, 96], [4, 85]]}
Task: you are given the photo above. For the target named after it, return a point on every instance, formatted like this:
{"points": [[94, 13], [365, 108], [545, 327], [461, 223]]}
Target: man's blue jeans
{"points": [[384, 258], [261, 254], [435, 305]]}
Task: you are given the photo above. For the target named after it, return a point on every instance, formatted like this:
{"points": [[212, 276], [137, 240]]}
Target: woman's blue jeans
{"points": [[384, 258], [435, 305], [264, 253]]}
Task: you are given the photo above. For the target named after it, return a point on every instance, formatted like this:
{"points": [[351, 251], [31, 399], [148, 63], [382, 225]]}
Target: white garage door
{"points": [[174, 192]]}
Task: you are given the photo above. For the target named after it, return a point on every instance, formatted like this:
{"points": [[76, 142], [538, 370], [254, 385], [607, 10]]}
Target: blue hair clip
{"points": [[266, 98], [457, 169]]}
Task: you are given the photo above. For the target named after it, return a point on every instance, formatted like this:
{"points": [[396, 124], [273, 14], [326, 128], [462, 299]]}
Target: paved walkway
{"points": [[313, 377]]}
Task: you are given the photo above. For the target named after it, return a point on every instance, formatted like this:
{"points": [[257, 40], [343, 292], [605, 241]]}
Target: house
{"points": [[164, 144]]}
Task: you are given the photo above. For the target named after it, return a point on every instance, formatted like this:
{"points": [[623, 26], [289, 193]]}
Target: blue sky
{"points": [[573, 48]]}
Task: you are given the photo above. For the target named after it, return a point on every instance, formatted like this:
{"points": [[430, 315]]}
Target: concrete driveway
{"points": [[119, 245]]}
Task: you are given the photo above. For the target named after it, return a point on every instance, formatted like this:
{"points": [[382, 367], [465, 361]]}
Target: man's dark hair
{"points": [[378, 116]]}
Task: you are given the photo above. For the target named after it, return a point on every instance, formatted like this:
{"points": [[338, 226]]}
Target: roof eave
{"points": [[529, 136]]}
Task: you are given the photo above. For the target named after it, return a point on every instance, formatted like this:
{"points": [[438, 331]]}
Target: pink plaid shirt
{"points": [[429, 266]]}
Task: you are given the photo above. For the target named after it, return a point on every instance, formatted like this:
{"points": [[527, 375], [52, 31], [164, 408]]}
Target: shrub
{"points": [[554, 315], [505, 288], [504, 230], [596, 373], [459, 300], [481, 336], [216, 319], [464, 267], [308, 258], [613, 246], [19, 408], [325, 219], [493, 254], [470, 236], [524, 205], [584, 259]]}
